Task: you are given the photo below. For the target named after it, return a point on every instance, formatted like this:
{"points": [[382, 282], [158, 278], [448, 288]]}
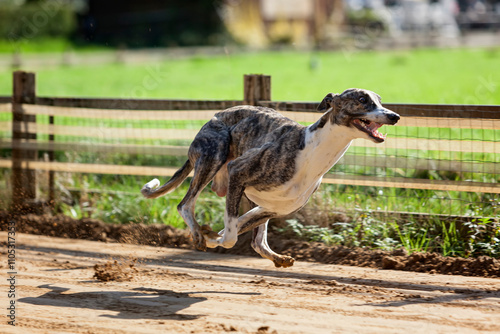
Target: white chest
{"points": [[322, 151]]}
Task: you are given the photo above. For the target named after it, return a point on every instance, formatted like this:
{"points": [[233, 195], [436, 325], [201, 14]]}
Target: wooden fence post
{"points": [[51, 156], [23, 179], [256, 87]]}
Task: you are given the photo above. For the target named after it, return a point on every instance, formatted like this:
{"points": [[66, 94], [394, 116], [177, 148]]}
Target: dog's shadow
{"points": [[140, 303]]}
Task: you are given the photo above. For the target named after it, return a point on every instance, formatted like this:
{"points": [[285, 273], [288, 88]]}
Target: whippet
{"points": [[272, 160]]}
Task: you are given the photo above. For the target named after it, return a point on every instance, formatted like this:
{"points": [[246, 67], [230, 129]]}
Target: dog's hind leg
{"points": [[229, 236], [232, 223], [257, 219], [209, 151], [204, 170], [260, 245]]}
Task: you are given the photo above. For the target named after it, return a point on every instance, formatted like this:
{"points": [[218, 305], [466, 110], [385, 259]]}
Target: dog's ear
{"points": [[327, 102]]}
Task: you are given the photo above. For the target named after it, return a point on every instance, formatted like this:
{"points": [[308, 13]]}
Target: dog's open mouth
{"points": [[369, 127]]}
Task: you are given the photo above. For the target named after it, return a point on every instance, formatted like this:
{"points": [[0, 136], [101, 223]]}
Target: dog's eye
{"points": [[362, 99]]}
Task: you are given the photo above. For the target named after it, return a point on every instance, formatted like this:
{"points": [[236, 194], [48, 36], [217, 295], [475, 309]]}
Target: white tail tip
{"points": [[152, 184]]}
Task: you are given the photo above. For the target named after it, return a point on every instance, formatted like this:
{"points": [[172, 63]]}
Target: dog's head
{"points": [[361, 109]]}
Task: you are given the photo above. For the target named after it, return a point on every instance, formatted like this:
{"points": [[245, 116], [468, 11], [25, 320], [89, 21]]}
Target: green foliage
{"points": [[119, 208], [367, 20], [413, 238], [478, 237], [362, 232], [120, 201], [451, 244], [311, 232], [20, 25], [483, 237], [48, 44]]}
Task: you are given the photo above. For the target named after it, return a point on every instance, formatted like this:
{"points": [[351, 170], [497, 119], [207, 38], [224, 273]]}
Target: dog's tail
{"points": [[151, 189]]}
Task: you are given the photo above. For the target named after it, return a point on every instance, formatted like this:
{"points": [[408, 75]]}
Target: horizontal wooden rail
{"points": [[332, 178], [407, 110], [187, 134], [382, 161], [411, 183], [432, 145], [106, 133], [5, 126], [446, 110], [162, 150], [92, 168], [145, 115], [411, 121], [138, 104], [450, 122], [299, 116]]}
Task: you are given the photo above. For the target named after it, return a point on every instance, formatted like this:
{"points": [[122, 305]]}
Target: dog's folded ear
{"points": [[327, 102]]}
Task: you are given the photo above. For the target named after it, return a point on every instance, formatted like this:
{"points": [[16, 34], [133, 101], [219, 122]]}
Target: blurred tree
{"points": [[21, 21], [151, 23]]}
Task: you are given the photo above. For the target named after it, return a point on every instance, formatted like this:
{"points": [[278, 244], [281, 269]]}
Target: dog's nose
{"points": [[393, 117]]}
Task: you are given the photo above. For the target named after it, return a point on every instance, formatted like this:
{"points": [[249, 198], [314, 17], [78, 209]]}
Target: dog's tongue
{"points": [[373, 127]]}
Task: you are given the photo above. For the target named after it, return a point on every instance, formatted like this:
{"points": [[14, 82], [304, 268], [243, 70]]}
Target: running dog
{"points": [[272, 160]]}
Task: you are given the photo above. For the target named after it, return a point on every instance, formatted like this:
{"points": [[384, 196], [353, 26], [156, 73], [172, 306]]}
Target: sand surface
{"points": [[79, 286]]}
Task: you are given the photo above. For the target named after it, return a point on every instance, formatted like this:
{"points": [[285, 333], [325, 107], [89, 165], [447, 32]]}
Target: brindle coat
{"points": [[274, 161]]}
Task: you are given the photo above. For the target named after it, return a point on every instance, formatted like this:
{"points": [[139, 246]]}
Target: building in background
{"points": [[302, 23], [329, 23]]}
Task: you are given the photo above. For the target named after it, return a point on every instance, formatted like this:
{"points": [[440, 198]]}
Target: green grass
{"points": [[44, 45], [419, 76], [475, 238]]}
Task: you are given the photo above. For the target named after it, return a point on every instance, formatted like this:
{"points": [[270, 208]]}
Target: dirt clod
{"points": [[265, 330], [114, 271], [390, 262]]}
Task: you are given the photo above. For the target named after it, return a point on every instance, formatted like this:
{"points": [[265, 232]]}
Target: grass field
{"points": [[419, 76], [42, 45]]}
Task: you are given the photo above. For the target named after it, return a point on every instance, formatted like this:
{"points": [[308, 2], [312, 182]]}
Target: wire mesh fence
{"points": [[439, 161]]}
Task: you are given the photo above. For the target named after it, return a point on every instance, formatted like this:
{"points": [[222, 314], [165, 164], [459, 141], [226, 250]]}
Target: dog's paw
{"points": [[284, 261], [208, 232], [212, 238], [199, 241]]}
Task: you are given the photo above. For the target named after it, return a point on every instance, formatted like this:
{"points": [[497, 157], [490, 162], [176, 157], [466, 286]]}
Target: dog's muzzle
{"points": [[392, 116], [373, 121], [385, 116]]}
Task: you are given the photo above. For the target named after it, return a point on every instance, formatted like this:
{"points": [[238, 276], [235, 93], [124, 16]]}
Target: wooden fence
{"points": [[30, 137]]}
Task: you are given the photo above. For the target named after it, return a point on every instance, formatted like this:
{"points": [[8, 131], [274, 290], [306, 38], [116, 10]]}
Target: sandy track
{"points": [[165, 290]]}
